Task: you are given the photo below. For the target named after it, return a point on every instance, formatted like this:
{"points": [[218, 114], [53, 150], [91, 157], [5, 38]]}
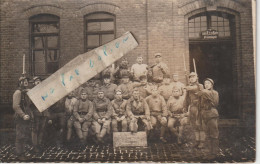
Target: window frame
{"points": [[43, 19], [99, 33], [209, 26]]}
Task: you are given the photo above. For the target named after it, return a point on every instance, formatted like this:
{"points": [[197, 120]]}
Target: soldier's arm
{"points": [[146, 109], [75, 110], [67, 106], [109, 110], [16, 103], [128, 110], [95, 114], [90, 111], [164, 107], [215, 99], [165, 69]]}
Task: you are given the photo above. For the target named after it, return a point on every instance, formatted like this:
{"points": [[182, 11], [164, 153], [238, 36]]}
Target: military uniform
{"points": [[22, 127], [69, 106], [165, 91], [208, 102], [102, 110], [193, 109], [83, 112], [39, 124], [126, 89], [58, 117], [158, 111], [138, 109], [109, 90], [175, 108], [137, 70], [179, 84], [119, 111]]}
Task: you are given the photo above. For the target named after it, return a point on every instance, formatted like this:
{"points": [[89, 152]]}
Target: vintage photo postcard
{"points": [[104, 81]]}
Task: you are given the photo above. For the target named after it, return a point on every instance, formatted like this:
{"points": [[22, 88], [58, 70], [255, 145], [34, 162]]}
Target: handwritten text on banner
{"points": [[79, 70]]}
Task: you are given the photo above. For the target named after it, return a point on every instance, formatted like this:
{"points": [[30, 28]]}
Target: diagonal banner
{"points": [[79, 70]]}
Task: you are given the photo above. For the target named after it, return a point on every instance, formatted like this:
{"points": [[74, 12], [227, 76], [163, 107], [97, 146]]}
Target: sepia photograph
{"points": [[133, 81]]}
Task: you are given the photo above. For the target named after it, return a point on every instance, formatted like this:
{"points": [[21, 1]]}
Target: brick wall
{"points": [[158, 26]]}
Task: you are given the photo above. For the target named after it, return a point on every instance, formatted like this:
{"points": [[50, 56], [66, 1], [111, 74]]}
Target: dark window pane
{"points": [[107, 38], [204, 18], [39, 62], [204, 24], [52, 41], [213, 18], [191, 20], [38, 42], [53, 55], [227, 33], [52, 67], [93, 40], [197, 24]]}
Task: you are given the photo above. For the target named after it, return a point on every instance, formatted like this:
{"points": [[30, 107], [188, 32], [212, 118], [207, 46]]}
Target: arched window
{"points": [[44, 39], [99, 29], [218, 21]]}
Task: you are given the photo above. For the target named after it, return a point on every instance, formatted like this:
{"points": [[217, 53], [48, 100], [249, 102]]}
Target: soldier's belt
{"points": [[176, 112], [138, 114], [82, 113], [101, 110], [156, 113]]}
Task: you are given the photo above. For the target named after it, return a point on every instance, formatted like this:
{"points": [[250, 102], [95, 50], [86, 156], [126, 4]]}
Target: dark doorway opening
{"points": [[214, 60]]}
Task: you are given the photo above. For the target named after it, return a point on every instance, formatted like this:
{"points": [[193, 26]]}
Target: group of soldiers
{"points": [[127, 99]]}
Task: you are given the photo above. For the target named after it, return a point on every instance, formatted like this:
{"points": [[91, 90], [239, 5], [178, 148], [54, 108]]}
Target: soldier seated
{"points": [[108, 87], [175, 106], [158, 111], [137, 109], [83, 112], [119, 112], [102, 115]]}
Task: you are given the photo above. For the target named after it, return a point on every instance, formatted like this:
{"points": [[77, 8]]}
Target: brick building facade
{"points": [[172, 27]]}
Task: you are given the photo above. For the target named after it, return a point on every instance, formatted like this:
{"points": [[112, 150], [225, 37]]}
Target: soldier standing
{"points": [[109, 88], [137, 109], [83, 112], [92, 89], [138, 69], [159, 69], [165, 90], [175, 106], [193, 101], [69, 105], [102, 115], [209, 100], [177, 83], [39, 121], [119, 112], [22, 117], [158, 111]]}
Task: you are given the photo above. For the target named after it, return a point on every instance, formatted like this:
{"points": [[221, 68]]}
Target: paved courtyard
{"points": [[236, 145]]}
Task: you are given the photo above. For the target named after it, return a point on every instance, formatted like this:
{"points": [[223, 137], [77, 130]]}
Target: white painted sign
{"points": [[126, 139], [79, 70]]}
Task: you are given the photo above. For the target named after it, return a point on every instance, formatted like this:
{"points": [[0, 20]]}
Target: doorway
{"points": [[214, 60]]}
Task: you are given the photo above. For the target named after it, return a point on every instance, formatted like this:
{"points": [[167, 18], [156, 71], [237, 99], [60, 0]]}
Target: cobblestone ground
{"points": [[236, 145]]}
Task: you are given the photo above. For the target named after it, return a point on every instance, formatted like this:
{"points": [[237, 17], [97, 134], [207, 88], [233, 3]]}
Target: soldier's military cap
{"points": [[83, 91], [23, 78], [36, 78], [118, 90], [157, 54], [210, 80], [106, 76], [192, 74], [100, 89]]}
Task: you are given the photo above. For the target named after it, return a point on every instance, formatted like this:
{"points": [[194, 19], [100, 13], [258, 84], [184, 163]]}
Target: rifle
{"points": [[185, 69]]}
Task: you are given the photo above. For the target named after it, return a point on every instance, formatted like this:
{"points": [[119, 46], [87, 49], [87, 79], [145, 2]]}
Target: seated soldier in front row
{"points": [[119, 112], [102, 115], [137, 109], [158, 111], [175, 106], [83, 112]]}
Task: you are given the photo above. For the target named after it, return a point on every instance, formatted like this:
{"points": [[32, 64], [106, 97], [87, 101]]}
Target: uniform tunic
{"points": [[119, 107], [165, 91], [175, 106], [83, 109], [158, 71], [145, 90], [109, 90], [137, 107], [102, 108], [126, 89], [157, 105]]}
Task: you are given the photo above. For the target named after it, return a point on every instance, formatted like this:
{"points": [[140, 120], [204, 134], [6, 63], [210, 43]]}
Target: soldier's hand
{"points": [[99, 121], [26, 117], [50, 122], [103, 120], [81, 120]]}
